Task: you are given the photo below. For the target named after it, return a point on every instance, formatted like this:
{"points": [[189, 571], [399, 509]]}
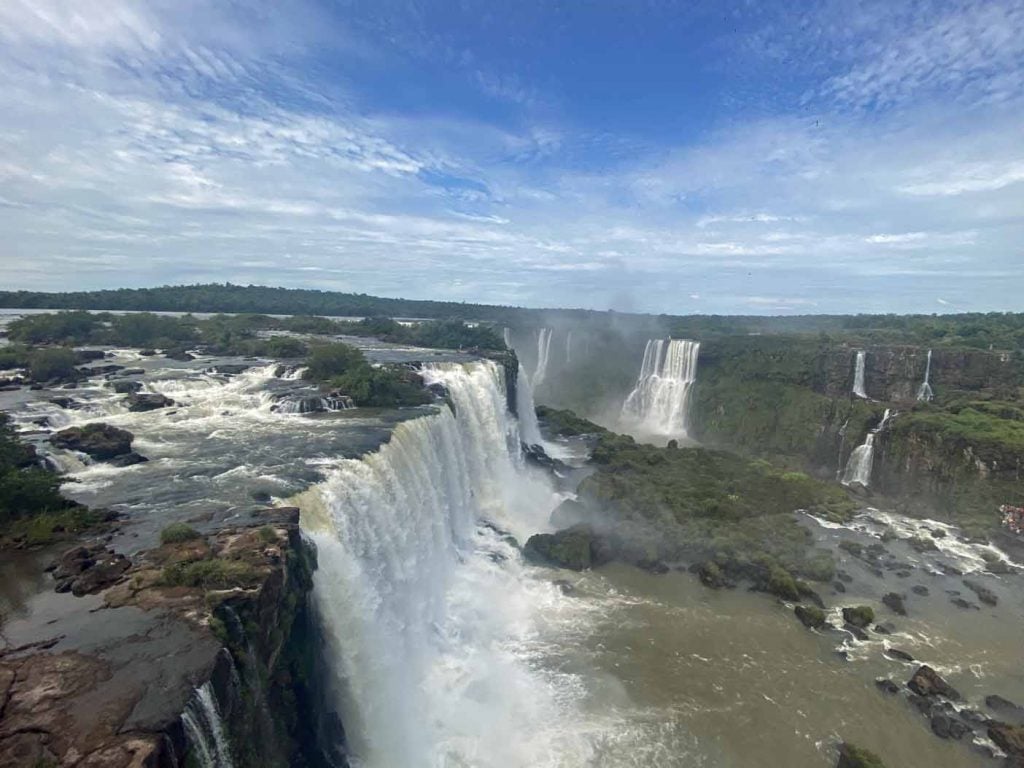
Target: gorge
{"points": [[462, 583]]}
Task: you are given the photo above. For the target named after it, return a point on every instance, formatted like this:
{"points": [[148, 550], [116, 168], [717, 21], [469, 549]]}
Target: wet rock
{"points": [[885, 628], [100, 441], [838, 586], [657, 567], [84, 570], [959, 602], [919, 589], [950, 570], [856, 631], [852, 756], [1006, 709], [896, 653], [131, 372], [858, 616], [228, 370], [138, 402], [844, 576], [947, 727], [127, 460], [178, 354], [1008, 738], [125, 387], [894, 602], [927, 682], [984, 594], [885, 685], [937, 533], [922, 544], [810, 616], [998, 567], [66, 403]]}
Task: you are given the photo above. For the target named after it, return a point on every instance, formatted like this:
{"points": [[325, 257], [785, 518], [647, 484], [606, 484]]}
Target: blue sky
{"points": [[654, 156]]}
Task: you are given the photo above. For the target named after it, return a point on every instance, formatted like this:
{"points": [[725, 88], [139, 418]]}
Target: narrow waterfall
{"points": [[659, 404], [204, 730], [858, 376], [529, 429], [428, 611], [924, 392], [858, 467], [506, 334], [544, 336], [568, 346]]}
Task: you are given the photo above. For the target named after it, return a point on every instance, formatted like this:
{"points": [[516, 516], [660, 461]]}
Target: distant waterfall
{"points": [[506, 334], [426, 606], [858, 468], [204, 730], [568, 346], [529, 429], [858, 376], [924, 392], [544, 336], [660, 402]]}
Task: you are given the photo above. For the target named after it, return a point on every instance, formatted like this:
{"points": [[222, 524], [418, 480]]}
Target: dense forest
{"points": [[996, 330]]}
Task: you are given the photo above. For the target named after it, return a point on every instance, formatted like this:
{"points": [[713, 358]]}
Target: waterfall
{"points": [[506, 334], [204, 730], [924, 392], [858, 376], [659, 404], [568, 346], [543, 355], [858, 467], [427, 609], [529, 429]]}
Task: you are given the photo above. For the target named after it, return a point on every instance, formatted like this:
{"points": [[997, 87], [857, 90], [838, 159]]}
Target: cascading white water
{"points": [[858, 467], [924, 392], [507, 336], [858, 376], [204, 730], [544, 336], [659, 404], [568, 346], [429, 614], [529, 429]]}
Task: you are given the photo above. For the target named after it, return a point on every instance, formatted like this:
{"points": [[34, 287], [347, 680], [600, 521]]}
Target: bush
{"points": [[327, 361], [177, 532], [211, 574], [859, 616], [852, 756], [14, 356], [55, 363]]}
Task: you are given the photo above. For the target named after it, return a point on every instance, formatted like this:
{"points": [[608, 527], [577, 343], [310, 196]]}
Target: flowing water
{"points": [[858, 376], [205, 730], [544, 336], [659, 404], [924, 392], [861, 461]]}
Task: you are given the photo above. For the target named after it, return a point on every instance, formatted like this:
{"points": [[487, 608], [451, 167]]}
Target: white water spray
{"points": [[858, 376], [659, 404], [924, 392], [204, 730], [544, 336], [429, 613], [858, 467]]}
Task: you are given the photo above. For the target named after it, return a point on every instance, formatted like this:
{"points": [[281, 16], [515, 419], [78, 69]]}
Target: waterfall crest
{"points": [[659, 403], [858, 467], [924, 392], [426, 606], [204, 730], [858, 376]]}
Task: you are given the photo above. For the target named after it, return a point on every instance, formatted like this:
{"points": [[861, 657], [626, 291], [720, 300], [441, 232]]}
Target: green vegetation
{"points": [[211, 574], [859, 616], [30, 502], [442, 334], [810, 616], [852, 756], [344, 368], [53, 363], [178, 532], [566, 423]]}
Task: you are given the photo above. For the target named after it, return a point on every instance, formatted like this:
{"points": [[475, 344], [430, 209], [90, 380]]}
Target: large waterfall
{"points": [[544, 336], [858, 467], [858, 376], [924, 392], [659, 404], [431, 617]]}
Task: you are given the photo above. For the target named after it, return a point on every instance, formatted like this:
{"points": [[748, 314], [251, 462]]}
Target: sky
{"points": [[636, 155]]}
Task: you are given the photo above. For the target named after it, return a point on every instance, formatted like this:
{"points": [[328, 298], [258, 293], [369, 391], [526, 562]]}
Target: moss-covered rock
{"points": [[852, 756], [859, 616], [810, 616], [570, 548]]}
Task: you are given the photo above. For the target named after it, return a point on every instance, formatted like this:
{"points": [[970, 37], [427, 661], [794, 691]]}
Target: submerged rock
{"points": [[984, 594], [125, 387], [852, 756], [919, 589], [100, 441], [858, 616], [894, 602], [927, 682], [896, 653], [885, 685], [1008, 738]]}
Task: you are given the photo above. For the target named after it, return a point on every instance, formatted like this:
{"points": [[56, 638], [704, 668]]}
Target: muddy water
{"points": [[730, 678]]}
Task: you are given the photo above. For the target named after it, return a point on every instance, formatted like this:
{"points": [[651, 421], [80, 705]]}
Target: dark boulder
{"points": [[948, 727], [178, 354], [838, 586], [885, 685], [125, 387], [894, 602], [228, 369], [100, 441], [919, 589], [1006, 709], [885, 628], [857, 632], [127, 459], [810, 616], [1008, 738], [852, 756], [85, 570], [859, 616], [570, 548], [138, 402], [66, 403], [927, 682], [896, 653], [711, 575]]}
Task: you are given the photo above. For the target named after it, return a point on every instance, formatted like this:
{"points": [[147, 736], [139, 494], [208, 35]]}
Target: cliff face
{"points": [[225, 614]]}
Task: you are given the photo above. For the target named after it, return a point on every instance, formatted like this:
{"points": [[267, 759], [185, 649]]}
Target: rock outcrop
{"points": [[100, 441]]}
